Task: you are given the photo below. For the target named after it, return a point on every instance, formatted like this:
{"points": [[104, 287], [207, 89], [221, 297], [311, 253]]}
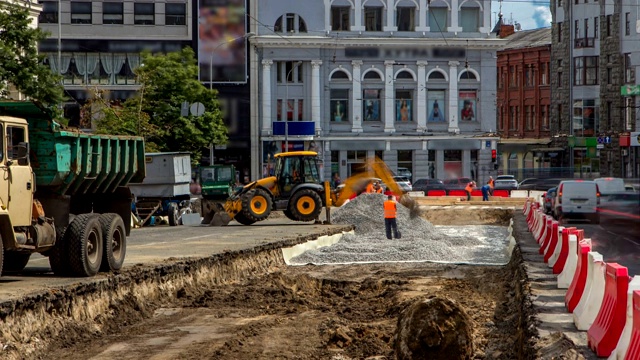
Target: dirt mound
{"points": [[437, 329], [467, 216]]}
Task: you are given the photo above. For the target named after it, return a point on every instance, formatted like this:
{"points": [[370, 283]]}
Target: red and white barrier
{"points": [[625, 339], [558, 267], [552, 241], [553, 259], [605, 332], [546, 234], [541, 228], [633, 351], [566, 275], [576, 289], [589, 305]]}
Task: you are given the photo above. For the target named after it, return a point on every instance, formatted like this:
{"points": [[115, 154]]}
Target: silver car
{"points": [[404, 183], [505, 182]]}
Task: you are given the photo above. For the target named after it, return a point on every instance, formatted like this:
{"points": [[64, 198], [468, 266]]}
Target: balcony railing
{"points": [[587, 42]]}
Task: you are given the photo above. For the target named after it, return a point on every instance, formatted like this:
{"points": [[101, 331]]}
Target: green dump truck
{"points": [[217, 181], [64, 193]]}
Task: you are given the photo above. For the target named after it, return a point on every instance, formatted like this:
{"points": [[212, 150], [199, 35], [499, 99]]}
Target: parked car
{"points": [[546, 184], [457, 183], [403, 182], [505, 182], [402, 171], [428, 184], [621, 207], [528, 184], [577, 199], [608, 186], [549, 198]]}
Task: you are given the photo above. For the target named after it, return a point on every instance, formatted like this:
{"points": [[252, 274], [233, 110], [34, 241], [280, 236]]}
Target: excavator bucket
{"points": [[214, 213]]}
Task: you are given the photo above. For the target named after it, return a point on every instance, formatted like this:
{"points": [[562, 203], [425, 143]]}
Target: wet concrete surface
{"points": [[155, 245]]}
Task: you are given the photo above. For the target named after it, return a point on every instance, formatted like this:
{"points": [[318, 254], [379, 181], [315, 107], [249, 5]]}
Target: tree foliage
{"points": [[167, 81], [20, 64]]}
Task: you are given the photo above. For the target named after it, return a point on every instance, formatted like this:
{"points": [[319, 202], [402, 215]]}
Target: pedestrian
{"points": [[486, 191], [336, 180], [469, 189], [390, 222]]}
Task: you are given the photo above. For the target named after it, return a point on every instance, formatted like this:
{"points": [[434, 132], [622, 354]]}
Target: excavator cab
{"points": [[294, 170]]}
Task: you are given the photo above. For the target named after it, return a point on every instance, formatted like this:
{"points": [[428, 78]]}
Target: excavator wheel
{"points": [[256, 205], [242, 219], [288, 214], [305, 205]]}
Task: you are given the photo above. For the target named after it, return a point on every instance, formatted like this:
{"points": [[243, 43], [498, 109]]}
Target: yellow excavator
{"points": [[297, 190]]}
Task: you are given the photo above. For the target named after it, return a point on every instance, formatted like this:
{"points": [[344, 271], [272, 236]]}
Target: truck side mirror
{"points": [[22, 150]]}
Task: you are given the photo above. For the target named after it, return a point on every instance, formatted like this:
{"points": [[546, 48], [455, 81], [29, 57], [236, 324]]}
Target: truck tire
{"points": [[173, 214], [242, 219], [58, 256], [115, 242], [256, 205], [305, 205], [84, 240], [15, 261]]}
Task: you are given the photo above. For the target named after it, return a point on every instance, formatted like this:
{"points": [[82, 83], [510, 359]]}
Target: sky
{"points": [[529, 14]]}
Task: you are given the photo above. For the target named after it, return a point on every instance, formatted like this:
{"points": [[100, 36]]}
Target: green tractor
{"points": [[217, 181]]}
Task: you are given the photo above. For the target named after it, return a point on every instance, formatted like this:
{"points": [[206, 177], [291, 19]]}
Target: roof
{"points": [[528, 39]]}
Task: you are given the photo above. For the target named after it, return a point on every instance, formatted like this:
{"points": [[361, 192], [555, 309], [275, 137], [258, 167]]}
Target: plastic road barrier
{"points": [[437, 193], [605, 332], [576, 289], [546, 241], [553, 259], [625, 339], [589, 305], [553, 241], [565, 251], [518, 193], [501, 193], [633, 351]]}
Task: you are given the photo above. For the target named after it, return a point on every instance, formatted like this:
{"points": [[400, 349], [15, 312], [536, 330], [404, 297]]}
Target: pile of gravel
{"points": [[420, 241]]}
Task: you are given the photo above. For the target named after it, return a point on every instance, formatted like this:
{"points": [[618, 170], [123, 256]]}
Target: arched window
{"points": [[372, 75], [437, 75], [468, 75], [290, 23], [372, 96], [404, 75], [339, 75]]}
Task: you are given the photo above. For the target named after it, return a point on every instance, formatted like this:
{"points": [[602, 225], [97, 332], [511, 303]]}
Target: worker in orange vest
{"points": [[390, 209], [377, 188], [370, 187], [491, 182], [469, 189]]}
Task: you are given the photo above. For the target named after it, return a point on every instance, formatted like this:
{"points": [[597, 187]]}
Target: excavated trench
{"points": [[249, 304]]}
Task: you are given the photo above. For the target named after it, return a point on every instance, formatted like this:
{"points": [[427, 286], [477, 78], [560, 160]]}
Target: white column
{"points": [[315, 93], [266, 97], [356, 96], [391, 11], [423, 7], [357, 19], [421, 98], [454, 18], [485, 28], [327, 15], [453, 96], [389, 96]]}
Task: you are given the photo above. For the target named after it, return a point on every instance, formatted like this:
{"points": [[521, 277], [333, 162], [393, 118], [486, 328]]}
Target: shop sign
{"points": [[630, 90]]}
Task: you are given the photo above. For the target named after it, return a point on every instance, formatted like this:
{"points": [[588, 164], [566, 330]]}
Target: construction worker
{"points": [[486, 191], [370, 187], [390, 210], [491, 183], [469, 189], [377, 188]]}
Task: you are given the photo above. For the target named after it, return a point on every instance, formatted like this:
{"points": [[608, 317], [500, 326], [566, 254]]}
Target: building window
{"points": [[585, 117], [339, 105], [609, 76], [373, 18], [112, 13], [527, 116], [513, 123], [528, 75], [469, 19], [629, 71], [560, 32], [404, 105], [438, 19], [559, 63], [578, 71], [80, 12], [467, 103], [175, 14], [560, 79], [609, 112], [591, 70], [340, 18], [609, 24], [627, 23], [629, 112], [144, 13], [49, 14], [436, 106], [533, 117], [586, 28], [293, 23], [500, 113], [544, 116], [559, 115], [406, 18], [371, 104], [544, 74], [596, 20], [513, 76], [576, 30]]}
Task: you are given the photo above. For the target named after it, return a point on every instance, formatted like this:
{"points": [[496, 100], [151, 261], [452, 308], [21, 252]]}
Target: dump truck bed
{"points": [[68, 162]]}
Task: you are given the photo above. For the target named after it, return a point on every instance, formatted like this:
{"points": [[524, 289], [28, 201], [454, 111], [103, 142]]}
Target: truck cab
{"points": [[217, 181], [17, 187]]}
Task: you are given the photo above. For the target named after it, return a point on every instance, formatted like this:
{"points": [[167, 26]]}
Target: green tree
{"points": [[20, 64], [167, 81]]}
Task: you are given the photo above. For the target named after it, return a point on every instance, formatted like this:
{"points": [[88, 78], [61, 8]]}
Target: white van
{"points": [[609, 185], [577, 198]]}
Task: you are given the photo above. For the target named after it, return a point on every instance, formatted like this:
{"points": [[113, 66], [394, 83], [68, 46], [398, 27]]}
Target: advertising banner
{"points": [[467, 105], [222, 52]]}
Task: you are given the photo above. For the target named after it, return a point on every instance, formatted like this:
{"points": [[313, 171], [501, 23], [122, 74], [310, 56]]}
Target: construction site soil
{"points": [[250, 305]]}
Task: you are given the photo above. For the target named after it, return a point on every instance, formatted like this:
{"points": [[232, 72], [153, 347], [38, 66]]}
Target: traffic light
{"points": [[494, 156]]}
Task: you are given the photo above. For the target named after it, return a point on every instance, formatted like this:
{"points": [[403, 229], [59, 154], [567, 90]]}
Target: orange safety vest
{"points": [[379, 191], [370, 188], [389, 209], [469, 188], [491, 183]]}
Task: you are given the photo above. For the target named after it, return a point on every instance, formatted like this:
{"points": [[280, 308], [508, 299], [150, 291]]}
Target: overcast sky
{"points": [[530, 14]]}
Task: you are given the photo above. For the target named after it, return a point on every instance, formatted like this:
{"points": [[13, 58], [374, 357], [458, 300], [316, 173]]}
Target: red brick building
{"points": [[523, 101]]}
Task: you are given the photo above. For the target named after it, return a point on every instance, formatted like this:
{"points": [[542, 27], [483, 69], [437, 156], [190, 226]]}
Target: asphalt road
{"points": [[618, 242]]}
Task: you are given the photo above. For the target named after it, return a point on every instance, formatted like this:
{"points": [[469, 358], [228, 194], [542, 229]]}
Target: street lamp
{"points": [[286, 120], [244, 37]]}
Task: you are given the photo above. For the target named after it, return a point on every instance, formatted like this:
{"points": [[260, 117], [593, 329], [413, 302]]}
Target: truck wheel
{"points": [[58, 256], [242, 219], [15, 261], [305, 205], [84, 241], [256, 205], [288, 214], [173, 214], [115, 241]]}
